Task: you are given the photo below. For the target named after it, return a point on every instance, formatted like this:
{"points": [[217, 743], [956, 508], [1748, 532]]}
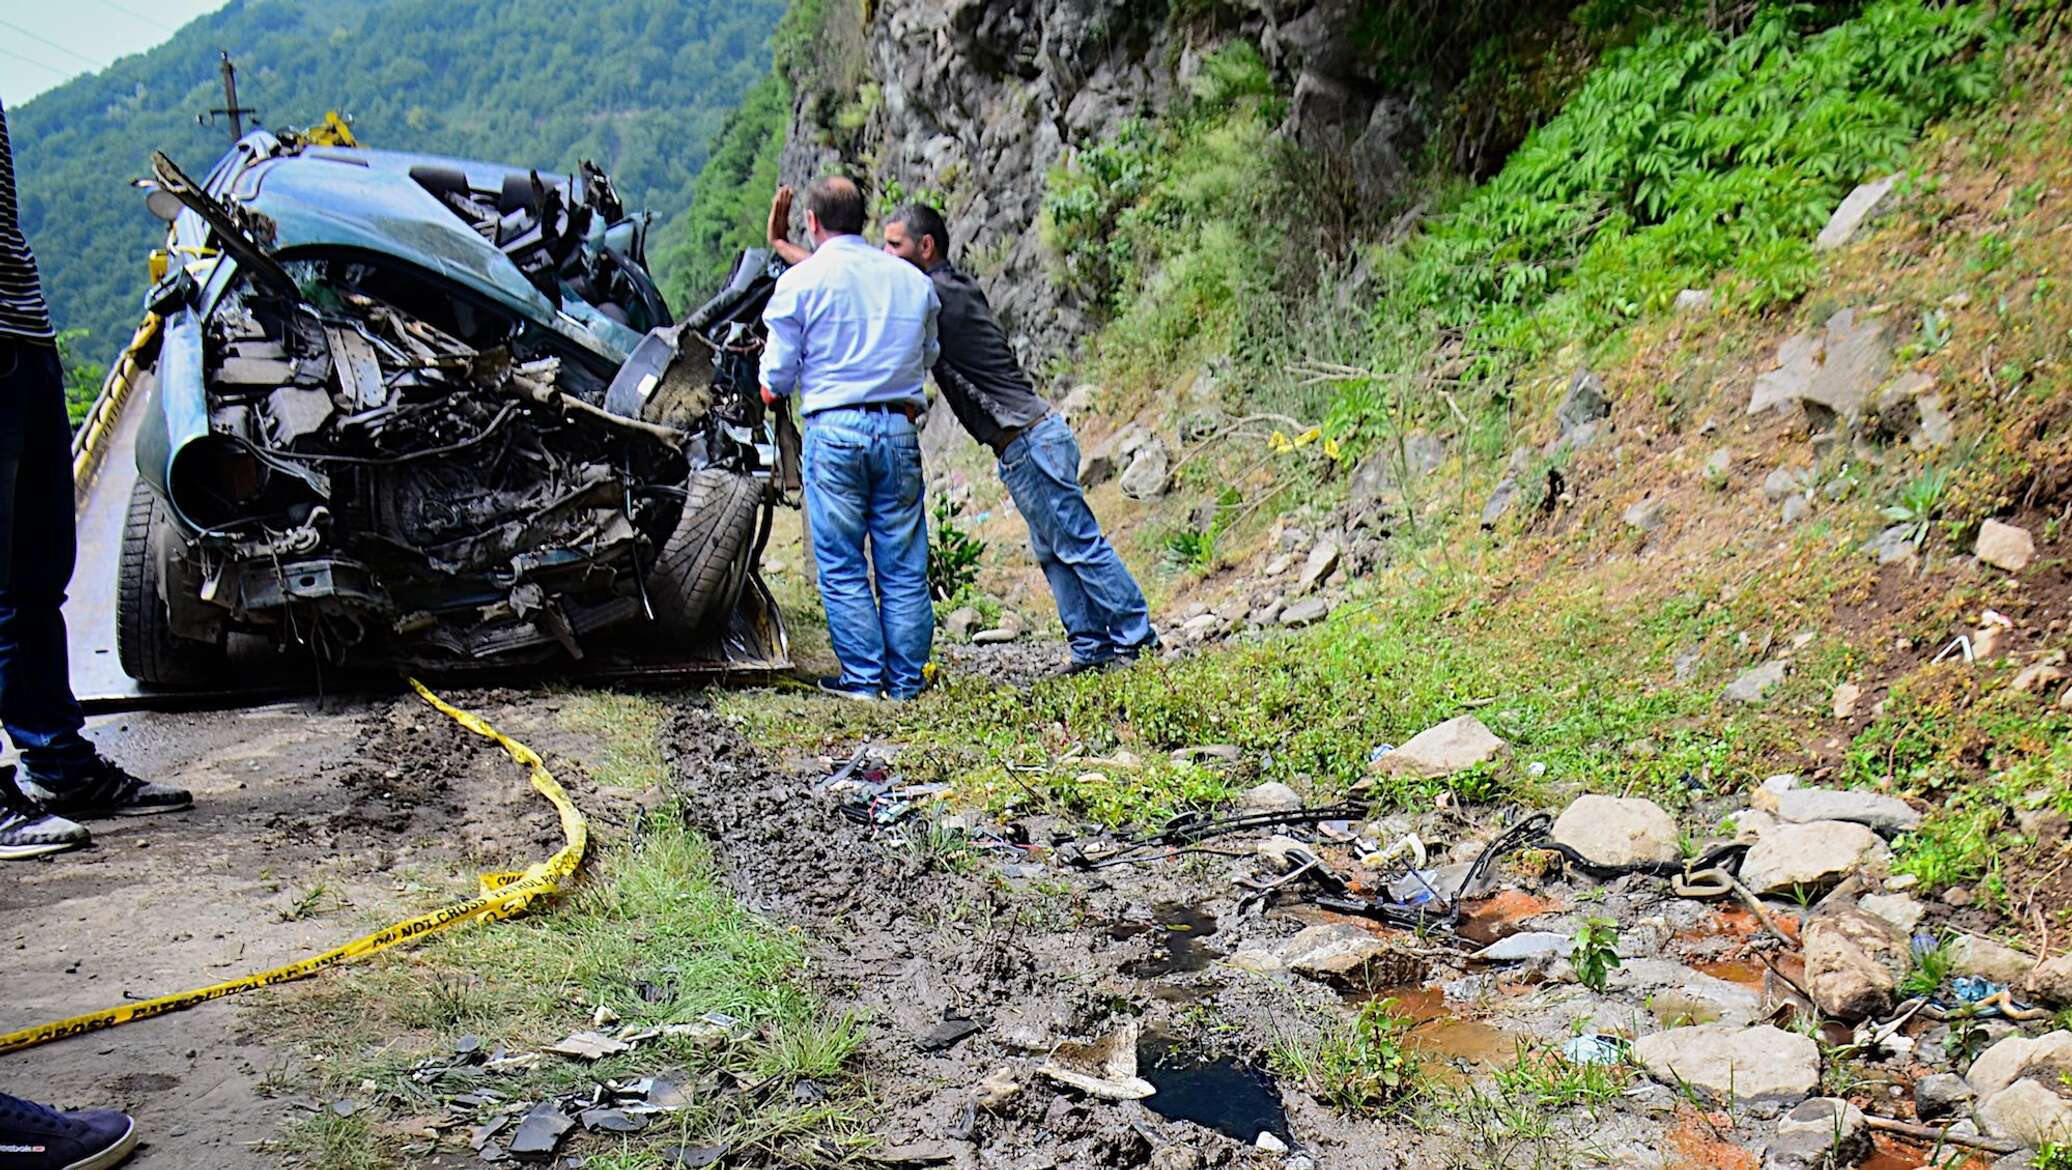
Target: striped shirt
{"points": [[22, 310]]}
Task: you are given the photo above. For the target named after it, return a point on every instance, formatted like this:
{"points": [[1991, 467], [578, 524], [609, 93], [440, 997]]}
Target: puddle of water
{"points": [[1747, 972], [1179, 929], [1416, 1004], [1466, 1040], [1674, 1009], [1491, 920], [1237, 1100], [1889, 1153]]}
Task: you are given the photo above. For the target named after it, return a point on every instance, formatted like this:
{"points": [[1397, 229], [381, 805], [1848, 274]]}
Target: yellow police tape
{"points": [[504, 895]]}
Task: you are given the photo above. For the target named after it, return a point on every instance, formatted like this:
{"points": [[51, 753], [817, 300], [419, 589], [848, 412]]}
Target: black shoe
{"points": [[104, 789], [27, 829], [840, 689], [1086, 666], [1124, 655], [33, 1137]]}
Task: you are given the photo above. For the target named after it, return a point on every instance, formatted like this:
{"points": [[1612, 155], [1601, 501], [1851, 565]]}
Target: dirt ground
{"points": [[313, 822]]}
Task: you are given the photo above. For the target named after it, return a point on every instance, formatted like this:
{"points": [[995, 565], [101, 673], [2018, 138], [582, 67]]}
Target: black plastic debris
{"points": [[540, 1134], [692, 1157], [945, 1035]]}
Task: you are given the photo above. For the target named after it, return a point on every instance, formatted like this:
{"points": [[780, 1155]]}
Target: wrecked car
{"points": [[411, 410]]}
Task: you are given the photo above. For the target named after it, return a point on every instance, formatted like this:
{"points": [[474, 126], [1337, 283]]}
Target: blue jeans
{"points": [[1099, 603], [37, 548], [863, 483]]}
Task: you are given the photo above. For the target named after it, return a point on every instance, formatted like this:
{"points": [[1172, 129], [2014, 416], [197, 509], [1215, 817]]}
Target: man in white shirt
{"points": [[852, 335]]}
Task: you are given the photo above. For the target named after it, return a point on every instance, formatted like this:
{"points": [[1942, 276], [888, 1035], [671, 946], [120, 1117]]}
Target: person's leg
{"points": [[1085, 630], [37, 549], [899, 552], [835, 464], [37, 1137], [1076, 540]]}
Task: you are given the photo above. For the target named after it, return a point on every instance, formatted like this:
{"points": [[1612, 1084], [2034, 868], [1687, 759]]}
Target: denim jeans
{"points": [[863, 484], [1099, 603], [37, 548]]}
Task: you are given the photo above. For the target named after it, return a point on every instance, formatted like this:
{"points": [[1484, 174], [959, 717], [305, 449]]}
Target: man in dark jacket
{"points": [[1102, 608]]}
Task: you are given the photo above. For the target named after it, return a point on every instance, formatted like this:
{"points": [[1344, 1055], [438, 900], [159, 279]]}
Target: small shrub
{"points": [[953, 553], [1364, 1068], [1596, 953]]}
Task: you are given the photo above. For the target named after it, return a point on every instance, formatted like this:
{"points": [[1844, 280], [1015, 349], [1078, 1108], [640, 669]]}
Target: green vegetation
{"points": [[730, 202], [639, 86], [1596, 953], [83, 376], [1363, 1066], [953, 552], [653, 934], [1931, 968]]}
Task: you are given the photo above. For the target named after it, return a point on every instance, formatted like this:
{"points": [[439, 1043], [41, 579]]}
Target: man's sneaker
{"points": [[27, 829], [842, 690], [1086, 666], [33, 1137], [104, 789]]}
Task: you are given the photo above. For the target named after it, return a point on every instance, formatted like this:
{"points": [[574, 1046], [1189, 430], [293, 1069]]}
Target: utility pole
{"points": [[230, 109]]}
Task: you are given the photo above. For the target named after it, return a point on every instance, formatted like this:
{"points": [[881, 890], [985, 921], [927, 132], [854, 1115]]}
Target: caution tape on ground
{"points": [[504, 895]]}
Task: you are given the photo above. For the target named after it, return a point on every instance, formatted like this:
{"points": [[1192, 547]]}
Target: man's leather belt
{"points": [[1008, 436], [911, 411]]}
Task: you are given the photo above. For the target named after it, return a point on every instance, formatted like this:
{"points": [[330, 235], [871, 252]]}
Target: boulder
{"points": [[1323, 558], [1940, 1095], [1972, 954], [1675, 988], [1584, 406], [1854, 961], [1818, 1133], [1755, 684], [1811, 856], [2037, 677], [963, 622], [1782, 483], [1831, 373], [1902, 912], [2051, 981], [1436, 752], [1526, 945], [1856, 208], [1347, 955], [1761, 1067], [2004, 546], [1844, 700], [1693, 300], [1887, 814], [1614, 830], [1647, 515], [2048, 1055], [1149, 472], [2027, 1111], [1078, 402]]}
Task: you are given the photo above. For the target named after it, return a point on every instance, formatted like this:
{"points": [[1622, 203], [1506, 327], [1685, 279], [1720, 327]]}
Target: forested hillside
{"points": [[640, 86]]}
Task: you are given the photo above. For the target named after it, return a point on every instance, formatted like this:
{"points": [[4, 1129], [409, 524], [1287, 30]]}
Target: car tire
{"points": [[145, 644], [705, 563]]}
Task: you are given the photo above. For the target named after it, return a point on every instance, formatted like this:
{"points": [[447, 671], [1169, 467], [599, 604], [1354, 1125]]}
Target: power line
{"points": [[131, 12], [65, 73], [53, 44]]}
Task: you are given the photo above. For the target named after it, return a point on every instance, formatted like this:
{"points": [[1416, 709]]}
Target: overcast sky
{"points": [[45, 43]]}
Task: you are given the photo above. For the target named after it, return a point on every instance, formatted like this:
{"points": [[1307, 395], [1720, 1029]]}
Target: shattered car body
{"points": [[418, 410]]}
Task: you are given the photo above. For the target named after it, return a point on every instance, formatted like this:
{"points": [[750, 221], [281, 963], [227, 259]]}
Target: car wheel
{"points": [[704, 564], [144, 640]]}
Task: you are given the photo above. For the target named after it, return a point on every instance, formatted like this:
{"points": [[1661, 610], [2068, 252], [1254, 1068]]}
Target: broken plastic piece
{"points": [[1105, 1068]]}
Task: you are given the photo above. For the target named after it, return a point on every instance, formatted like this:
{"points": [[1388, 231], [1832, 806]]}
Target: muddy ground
{"points": [[313, 821]]}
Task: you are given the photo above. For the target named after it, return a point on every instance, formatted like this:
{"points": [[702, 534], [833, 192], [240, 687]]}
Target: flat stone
{"points": [[1798, 806], [1526, 945], [1782, 483], [2015, 1057], [1842, 704], [587, 1046], [1810, 856], [1272, 796], [1972, 954], [1902, 912], [2051, 981], [1724, 1064], [1613, 830], [1341, 953], [1755, 684], [1940, 1095], [1854, 961], [2027, 1111], [1818, 1133], [1437, 752], [2005, 546], [1668, 984], [1307, 612], [1856, 208], [2037, 678], [1647, 515]]}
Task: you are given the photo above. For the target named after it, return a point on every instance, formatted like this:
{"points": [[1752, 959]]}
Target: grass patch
{"points": [[1363, 1067], [652, 933]]}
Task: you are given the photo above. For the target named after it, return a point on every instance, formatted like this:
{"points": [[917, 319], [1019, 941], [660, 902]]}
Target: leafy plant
{"points": [[1931, 968], [1596, 953], [1919, 503], [2053, 1156], [953, 553]]}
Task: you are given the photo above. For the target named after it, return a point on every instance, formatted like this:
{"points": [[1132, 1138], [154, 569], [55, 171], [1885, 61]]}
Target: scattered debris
{"points": [[1105, 1068]]}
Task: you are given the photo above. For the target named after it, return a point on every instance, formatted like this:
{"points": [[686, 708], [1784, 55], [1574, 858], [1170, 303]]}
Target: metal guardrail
{"points": [[102, 417]]}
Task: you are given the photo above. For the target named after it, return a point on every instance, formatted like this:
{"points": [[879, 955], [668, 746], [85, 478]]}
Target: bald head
{"points": [[834, 207]]}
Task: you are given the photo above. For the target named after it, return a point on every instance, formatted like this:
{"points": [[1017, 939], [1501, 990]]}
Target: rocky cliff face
{"points": [[977, 99]]}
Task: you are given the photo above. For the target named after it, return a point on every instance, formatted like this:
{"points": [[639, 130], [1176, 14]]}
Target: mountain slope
{"points": [[639, 86]]}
